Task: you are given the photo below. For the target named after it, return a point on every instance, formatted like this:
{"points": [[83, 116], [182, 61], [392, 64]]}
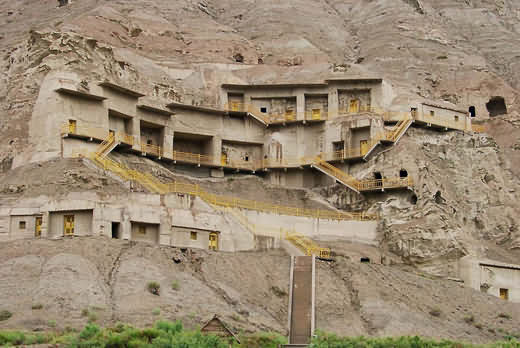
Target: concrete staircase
{"points": [[301, 301]]}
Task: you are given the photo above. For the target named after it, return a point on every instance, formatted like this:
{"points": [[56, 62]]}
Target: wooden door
{"points": [[364, 147], [38, 226], [213, 241], [68, 225]]}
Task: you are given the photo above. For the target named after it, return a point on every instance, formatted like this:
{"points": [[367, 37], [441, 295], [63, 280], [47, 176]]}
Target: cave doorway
{"points": [[378, 176], [364, 260], [115, 230], [472, 111], [496, 106], [403, 173]]}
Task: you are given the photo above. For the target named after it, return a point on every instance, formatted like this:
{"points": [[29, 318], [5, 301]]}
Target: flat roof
{"points": [[196, 108], [80, 94], [155, 109], [497, 264], [275, 85], [445, 107], [324, 83], [355, 79], [121, 89]]}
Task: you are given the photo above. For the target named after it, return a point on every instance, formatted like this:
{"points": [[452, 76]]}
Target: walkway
{"points": [[301, 297]]}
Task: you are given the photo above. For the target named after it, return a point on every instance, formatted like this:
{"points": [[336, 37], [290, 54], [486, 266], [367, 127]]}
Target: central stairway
{"points": [[301, 301]]}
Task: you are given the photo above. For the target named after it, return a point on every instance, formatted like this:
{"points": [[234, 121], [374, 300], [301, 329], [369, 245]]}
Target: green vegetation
{"points": [[4, 315], [323, 340], [175, 285], [172, 334], [153, 288], [36, 306], [162, 335], [156, 311]]}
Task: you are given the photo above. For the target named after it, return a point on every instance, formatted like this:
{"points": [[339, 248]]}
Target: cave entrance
{"points": [[403, 173], [496, 106], [115, 230], [472, 111], [364, 260], [378, 176]]}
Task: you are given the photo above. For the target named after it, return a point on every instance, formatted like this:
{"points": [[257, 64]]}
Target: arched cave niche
{"points": [[403, 173], [239, 58], [413, 199], [378, 176], [472, 111], [496, 106]]}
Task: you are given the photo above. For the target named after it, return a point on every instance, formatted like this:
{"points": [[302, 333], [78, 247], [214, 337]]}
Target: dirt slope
{"points": [[249, 290]]}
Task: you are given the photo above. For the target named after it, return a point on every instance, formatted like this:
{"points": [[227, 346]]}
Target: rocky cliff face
{"points": [[462, 51]]}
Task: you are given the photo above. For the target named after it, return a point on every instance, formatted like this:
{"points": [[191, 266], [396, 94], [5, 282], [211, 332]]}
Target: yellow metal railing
{"points": [[89, 132], [105, 145], [477, 128], [154, 185], [308, 246], [362, 185], [347, 110], [124, 138], [151, 149]]}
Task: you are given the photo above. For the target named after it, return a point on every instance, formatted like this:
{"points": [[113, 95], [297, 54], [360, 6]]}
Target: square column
{"points": [[300, 106], [333, 103], [136, 133], [167, 143]]}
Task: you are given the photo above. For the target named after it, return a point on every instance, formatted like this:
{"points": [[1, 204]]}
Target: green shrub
{"points": [[175, 285], [154, 287], [262, 340], [4, 315], [89, 331], [37, 306], [92, 317], [51, 323], [156, 311]]}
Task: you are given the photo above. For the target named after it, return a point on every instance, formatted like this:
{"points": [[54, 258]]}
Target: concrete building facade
{"points": [[491, 277]]}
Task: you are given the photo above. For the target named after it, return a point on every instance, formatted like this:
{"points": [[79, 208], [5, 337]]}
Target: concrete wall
{"points": [[242, 152], [28, 231], [345, 96], [82, 222], [181, 237], [491, 277], [459, 120], [144, 232]]}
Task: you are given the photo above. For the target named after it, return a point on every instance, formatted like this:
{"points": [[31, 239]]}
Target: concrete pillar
{"points": [[165, 229], [333, 103], [46, 218], [136, 132], [216, 148], [300, 140], [125, 226], [167, 143], [300, 106]]}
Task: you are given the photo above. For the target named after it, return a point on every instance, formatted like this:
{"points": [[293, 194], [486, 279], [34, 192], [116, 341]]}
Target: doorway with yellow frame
{"points": [[68, 225], [363, 144], [38, 226], [213, 241]]}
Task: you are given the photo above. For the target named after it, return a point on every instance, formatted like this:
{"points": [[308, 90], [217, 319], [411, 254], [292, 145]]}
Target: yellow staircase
{"points": [[399, 129], [360, 185], [336, 173], [307, 245], [152, 184], [106, 146]]}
